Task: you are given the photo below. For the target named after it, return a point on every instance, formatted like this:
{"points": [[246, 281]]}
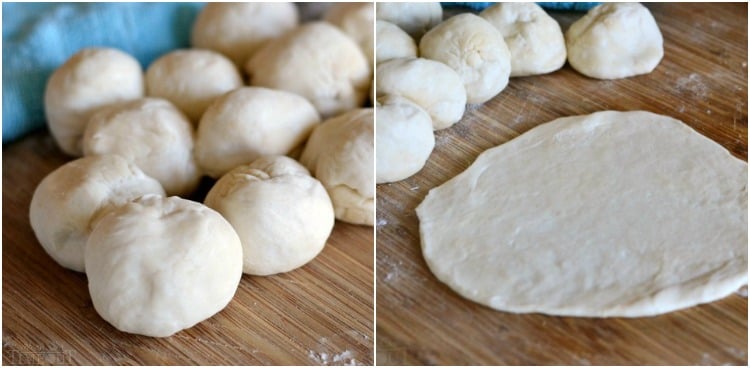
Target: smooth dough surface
{"points": [[615, 40], [610, 214], [414, 18], [535, 41], [282, 215], [475, 50], [405, 139], [392, 42], [158, 265]]}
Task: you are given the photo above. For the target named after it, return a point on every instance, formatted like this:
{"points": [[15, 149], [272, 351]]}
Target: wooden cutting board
{"points": [[319, 314], [702, 81]]}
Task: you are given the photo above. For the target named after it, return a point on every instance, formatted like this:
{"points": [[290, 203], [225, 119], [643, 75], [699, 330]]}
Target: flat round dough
{"points": [[159, 265], [615, 40], [610, 214]]}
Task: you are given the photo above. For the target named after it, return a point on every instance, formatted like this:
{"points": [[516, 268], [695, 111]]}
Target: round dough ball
{"points": [[317, 61], [355, 19], [68, 200], [392, 42], [159, 265], [151, 133], [340, 153], [475, 50], [90, 79], [282, 215], [192, 79], [237, 30], [615, 40], [430, 84], [414, 18], [535, 41], [405, 140], [251, 122]]}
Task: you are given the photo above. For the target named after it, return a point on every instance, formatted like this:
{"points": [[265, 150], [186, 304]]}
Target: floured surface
{"points": [[613, 214]]}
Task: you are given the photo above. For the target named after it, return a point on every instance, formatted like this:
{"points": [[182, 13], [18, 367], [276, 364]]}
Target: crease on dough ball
{"points": [[151, 133], [392, 42], [356, 20], [318, 62], [475, 50], [535, 41], [432, 85], [414, 18], [403, 131], [250, 122], [615, 40], [237, 30], [90, 79], [159, 265], [340, 153], [192, 79], [282, 215], [67, 202]]}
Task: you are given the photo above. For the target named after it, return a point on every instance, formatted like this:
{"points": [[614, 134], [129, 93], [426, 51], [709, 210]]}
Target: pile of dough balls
{"points": [[436, 67], [258, 90]]}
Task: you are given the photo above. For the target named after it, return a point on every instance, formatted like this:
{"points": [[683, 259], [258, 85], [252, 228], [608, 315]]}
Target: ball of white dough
{"points": [[316, 61], [237, 30], [90, 79], [535, 41], [251, 122], [414, 18], [159, 265], [191, 79], [151, 133], [615, 40], [403, 131], [392, 42], [432, 85], [282, 215], [475, 50], [68, 200], [355, 19], [340, 153]]}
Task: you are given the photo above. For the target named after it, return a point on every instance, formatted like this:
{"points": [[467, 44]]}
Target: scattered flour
{"points": [[381, 223], [322, 358], [692, 84]]}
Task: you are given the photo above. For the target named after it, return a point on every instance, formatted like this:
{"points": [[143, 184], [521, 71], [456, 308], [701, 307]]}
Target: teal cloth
{"points": [[574, 6], [39, 37]]}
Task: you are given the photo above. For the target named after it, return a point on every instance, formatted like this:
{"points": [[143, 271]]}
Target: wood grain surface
{"points": [[702, 81], [319, 314]]}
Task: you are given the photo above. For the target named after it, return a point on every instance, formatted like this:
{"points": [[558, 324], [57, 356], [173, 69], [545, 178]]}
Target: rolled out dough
{"points": [[610, 214]]}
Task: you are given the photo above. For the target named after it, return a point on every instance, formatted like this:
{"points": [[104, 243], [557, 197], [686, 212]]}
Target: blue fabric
{"points": [[39, 37], [550, 6]]}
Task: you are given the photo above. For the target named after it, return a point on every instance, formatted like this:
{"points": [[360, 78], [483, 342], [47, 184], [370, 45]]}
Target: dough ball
{"points": [[392, 42], [90, 79], [340, 153], [159, 265], [317, 61], [535, 41], [430, 84], [615, 40], [251, 122], [151, 133], [282, 215], [192, 79], [405, 140], [237, 30], [356, 20], [68, 199], [414, 18], [473, 48]]}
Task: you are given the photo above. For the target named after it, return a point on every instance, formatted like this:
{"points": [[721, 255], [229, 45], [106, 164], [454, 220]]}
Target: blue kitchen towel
{"points": [[39, 37], [549, 6]]}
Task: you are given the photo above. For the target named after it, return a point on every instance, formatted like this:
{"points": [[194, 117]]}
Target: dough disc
{"points": [[610, 214]]}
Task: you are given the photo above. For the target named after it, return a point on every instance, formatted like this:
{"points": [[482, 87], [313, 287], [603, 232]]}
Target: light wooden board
{"points": [[319, 314], [701, 81]]}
